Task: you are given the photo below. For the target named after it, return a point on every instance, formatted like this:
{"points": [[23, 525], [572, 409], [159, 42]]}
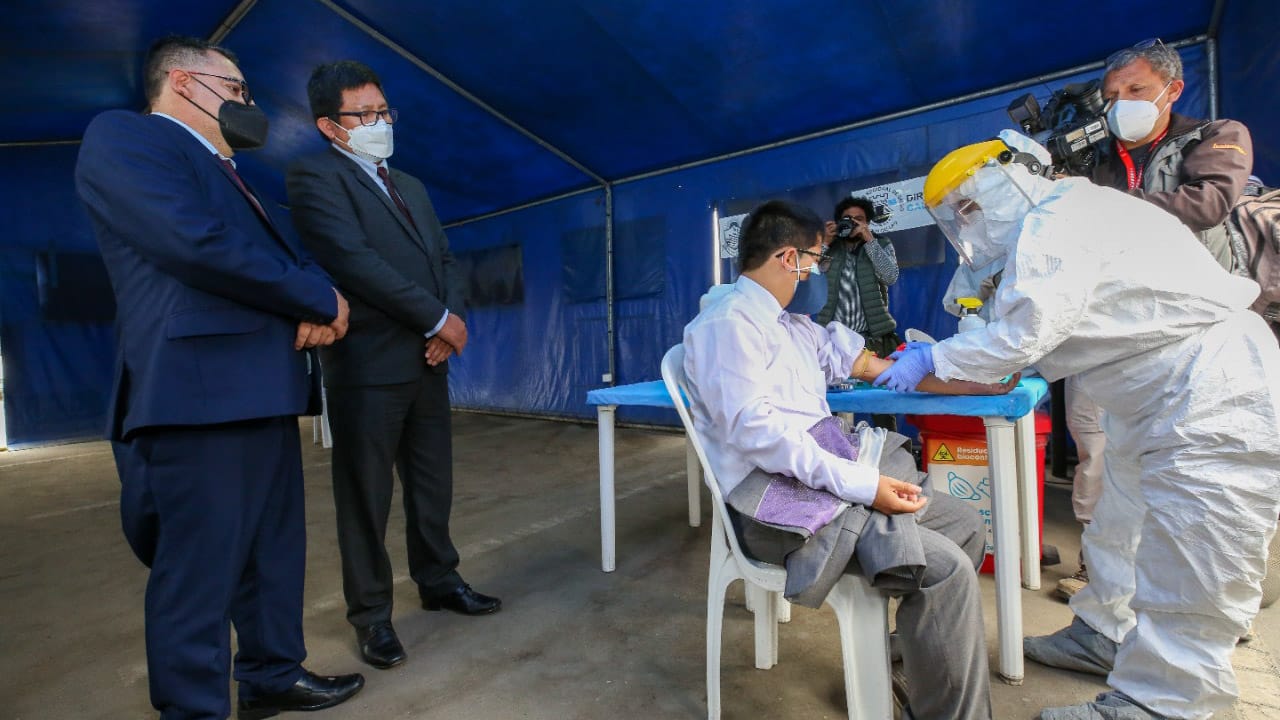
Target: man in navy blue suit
{"points": [[219, 310]]}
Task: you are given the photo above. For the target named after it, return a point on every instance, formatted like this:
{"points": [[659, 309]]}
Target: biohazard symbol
{"points": [[943, 455]]}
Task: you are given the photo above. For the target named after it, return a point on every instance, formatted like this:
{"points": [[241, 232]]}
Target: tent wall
{"points": [[539, 355], [684, 200], [1250, 73], [55, 339]]}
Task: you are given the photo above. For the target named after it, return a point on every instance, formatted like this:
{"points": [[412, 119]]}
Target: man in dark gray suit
{"points": [[375, 231]]}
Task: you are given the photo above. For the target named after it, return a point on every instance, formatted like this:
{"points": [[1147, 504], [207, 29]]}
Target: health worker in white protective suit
{"points": [[1113, 290]]}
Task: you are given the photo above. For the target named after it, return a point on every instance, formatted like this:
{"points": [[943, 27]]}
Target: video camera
{"points": [[846, 227], [1071, 126]]}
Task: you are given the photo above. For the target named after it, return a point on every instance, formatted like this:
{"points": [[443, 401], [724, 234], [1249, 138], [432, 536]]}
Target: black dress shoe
{"points": [[463, 600], [379, 645], [311, 692]]}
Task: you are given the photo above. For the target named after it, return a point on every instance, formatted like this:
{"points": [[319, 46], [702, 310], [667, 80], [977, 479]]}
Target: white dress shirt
{"points": [[203, 140], [758, 379]]}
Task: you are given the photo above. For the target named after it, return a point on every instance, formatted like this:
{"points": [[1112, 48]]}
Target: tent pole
{"points": [[612, 377], [233, 18], [1211, 51], [522, 206], [37, 143]]}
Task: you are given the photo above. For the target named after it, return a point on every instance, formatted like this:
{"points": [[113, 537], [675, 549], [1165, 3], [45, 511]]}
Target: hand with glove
{"points": [[910, 366]]}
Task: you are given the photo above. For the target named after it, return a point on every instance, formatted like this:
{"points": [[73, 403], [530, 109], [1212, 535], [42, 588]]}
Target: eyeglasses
{"points": [[824, 259], [370, 117], [1137, 48], [241, 86]]}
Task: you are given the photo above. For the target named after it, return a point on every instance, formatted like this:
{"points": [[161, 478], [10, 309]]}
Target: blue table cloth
{"points": [[864, 399]]}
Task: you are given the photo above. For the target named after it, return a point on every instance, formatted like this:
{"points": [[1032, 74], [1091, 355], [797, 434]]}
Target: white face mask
{"points": [[1132, 120], [812, 269], [374, 143]]}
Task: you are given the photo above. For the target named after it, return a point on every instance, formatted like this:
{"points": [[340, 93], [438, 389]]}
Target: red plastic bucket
{"points": [[954, 454]]}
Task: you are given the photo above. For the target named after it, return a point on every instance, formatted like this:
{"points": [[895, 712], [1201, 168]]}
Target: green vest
{"points": [[872, 293]]}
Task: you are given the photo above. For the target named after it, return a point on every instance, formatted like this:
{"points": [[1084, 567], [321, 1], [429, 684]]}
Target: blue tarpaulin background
{"points": [[506, 103]]}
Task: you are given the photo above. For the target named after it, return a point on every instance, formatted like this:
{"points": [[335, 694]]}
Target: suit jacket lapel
{"points": [[420, 213], [380, 192], [265, 217]]}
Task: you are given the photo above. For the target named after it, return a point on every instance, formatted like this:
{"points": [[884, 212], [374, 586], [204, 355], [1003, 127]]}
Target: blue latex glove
{"points": [[911, 365]]}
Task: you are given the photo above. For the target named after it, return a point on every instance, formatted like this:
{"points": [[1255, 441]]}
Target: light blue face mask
{"points": [[810, 297]]}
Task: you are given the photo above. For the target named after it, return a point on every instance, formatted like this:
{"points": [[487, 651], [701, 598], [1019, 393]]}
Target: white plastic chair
{"points": [[862, 612]]}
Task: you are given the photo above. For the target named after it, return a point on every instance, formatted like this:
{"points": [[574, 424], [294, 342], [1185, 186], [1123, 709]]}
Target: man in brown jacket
{"points": [[1193, 169]]}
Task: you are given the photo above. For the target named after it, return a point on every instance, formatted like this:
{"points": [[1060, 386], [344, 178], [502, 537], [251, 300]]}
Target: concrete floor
{"points": [[571, 642]]}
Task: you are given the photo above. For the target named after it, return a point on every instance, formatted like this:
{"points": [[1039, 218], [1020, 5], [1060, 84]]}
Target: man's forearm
{"points": [[868, 367]]}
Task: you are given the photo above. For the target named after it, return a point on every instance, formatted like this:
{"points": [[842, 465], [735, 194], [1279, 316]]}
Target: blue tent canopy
{"points": [[624, 126]]}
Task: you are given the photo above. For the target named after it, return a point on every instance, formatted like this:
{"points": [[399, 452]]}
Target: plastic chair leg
{"points": [[716, 587], [766, 623], [693, 468], [862, 613]]}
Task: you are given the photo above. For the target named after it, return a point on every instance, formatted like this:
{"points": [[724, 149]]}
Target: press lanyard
{"points": [[1135, 174]]}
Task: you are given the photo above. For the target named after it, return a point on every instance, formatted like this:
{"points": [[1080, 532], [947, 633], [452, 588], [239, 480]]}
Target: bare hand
{"points": [[454, 332], [312, 335], [437, 350], [894, 497], [340, 323], [829, 232], [931, 384]]}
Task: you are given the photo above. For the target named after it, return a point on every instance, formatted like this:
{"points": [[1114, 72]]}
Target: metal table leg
{"points": [[605, 415]]}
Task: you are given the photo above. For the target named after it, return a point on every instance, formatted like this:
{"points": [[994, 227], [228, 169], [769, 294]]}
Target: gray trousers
{"points": [[1084, 421], [944, 651]]}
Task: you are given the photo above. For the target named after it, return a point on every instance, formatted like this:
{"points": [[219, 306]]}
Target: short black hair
{"points": [[328, 81], [777, 224], [172, 52], [868, 208]]}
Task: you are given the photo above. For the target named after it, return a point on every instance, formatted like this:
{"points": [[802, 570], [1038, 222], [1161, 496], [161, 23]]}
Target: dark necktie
{"points": [[244, 189], [385, 177]]}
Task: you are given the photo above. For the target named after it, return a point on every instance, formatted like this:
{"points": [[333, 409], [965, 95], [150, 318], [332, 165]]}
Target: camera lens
{"points": [[844, 228]]}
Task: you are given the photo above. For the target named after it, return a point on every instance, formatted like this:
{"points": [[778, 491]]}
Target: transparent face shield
{"points": [[983, 216]]}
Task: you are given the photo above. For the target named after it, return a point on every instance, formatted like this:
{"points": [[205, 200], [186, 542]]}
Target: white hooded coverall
{"points": [[1118, 292]]}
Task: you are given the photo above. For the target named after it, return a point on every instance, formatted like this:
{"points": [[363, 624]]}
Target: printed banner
{"points": [[905, 201], [729, 229]]}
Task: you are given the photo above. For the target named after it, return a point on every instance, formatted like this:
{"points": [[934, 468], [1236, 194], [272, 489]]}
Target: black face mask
{"points": [[244, 127]]}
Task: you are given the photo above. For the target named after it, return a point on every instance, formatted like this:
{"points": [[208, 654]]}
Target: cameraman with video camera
{"points": [[863, 266], [1123, 134], [1194, 169], [1190, 168]]}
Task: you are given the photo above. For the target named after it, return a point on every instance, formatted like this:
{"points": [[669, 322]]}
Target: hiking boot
{"points": [[1069, 586]]}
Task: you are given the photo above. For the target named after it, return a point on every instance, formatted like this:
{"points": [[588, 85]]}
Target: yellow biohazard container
{"points": [[954, 454]]}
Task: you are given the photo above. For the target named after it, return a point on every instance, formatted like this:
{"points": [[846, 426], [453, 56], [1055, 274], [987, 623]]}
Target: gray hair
{"points": [[1164, 60], [173, 52]]}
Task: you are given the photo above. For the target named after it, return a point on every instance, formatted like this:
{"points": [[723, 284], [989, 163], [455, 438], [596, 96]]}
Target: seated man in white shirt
{"points": [[757, 384]]}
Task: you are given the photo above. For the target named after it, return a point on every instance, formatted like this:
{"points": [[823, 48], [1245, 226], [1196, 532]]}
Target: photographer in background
{"points": [[1194, 169], [863, 267]]}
